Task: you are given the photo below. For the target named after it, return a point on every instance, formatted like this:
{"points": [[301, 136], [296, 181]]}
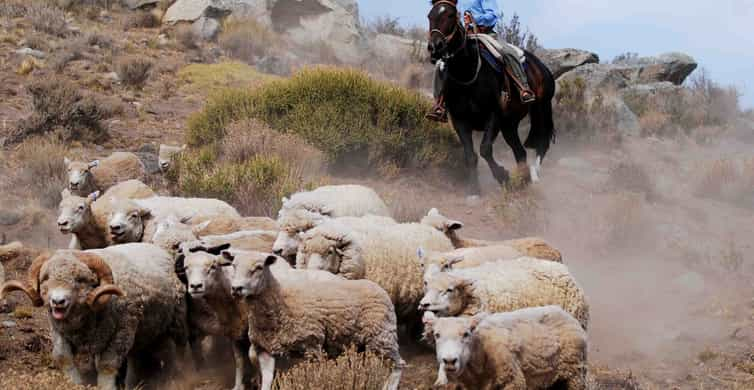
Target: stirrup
{"points": [[528, 97], [437, 115]]}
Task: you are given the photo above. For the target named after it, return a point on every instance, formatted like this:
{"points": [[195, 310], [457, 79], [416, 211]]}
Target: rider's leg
{"points": [[438, 112], [527, 96]]}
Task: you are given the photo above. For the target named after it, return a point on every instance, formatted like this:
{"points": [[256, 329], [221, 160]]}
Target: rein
{"points": [[447, 39]]}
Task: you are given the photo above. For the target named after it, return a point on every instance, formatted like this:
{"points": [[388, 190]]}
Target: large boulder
{"points": [[335, 22], [561, 61], [136, 4], [671, 67]]}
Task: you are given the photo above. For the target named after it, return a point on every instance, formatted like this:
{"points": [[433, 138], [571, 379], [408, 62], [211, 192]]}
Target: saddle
{"points": [[492, 51]]}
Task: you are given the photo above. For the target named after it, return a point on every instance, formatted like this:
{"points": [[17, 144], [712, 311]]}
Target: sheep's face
{"points": [[75, 212], [166, 155], [445, 294], [321, 253], [250, 273], [64, 284], [453, 338], [80, 179], [442, 223], [126, 222], [434, 262], [292, 224], [202, 272], [170, 233]]}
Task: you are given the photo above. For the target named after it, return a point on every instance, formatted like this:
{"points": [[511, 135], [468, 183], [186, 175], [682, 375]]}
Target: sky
{"points": [[718, 34]]}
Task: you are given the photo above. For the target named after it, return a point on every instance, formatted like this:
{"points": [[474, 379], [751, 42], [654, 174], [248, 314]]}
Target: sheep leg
{"points": [[240, 355], [106, 379], [267, 366], [394, 379], [62, 354]]}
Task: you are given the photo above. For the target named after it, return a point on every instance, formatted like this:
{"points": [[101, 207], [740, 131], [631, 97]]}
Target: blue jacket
{"points": [[484, 12]]}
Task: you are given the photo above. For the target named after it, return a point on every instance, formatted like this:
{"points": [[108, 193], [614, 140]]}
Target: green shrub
{"points": [[350, 117]]}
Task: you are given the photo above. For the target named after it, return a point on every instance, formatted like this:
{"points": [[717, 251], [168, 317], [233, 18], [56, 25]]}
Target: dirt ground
{"points": [[667, 267]]}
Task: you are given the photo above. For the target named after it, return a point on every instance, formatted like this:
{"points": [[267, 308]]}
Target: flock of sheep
{"points": [[148, 278]]}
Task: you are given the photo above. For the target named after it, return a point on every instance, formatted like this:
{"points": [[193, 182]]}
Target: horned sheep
{"points": [[382, 254], [85, 218], [505, 286], [99, 175], [106, 307], [529, 246], [533, 348], [303, 313]]}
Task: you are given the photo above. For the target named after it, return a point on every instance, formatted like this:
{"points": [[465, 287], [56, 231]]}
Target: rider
{"points": [[481, 14]]}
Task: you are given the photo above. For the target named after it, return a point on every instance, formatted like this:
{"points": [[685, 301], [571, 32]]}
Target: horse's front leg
{"points": [[491, 129], [510, 134], [465, 135]]}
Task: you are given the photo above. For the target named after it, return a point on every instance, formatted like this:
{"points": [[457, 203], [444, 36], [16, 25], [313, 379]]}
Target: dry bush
{"points": [[252, 168], [727, 180], [141, 19], [386, 25], [654, 122], [61, 106], [72, 50], [623, 221], [12, 9], [581, 118], [351, 370], [247, 40], [47, 18], [133, 71], [630, 176], [42, 169], [417, 76], [100, 40], [36, 42]]}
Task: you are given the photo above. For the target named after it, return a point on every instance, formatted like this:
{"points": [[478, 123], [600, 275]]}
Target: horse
{"points": [[473, 91]]}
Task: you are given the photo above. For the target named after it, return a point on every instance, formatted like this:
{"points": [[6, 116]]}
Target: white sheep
{"points": [[293, 223], [301, 313], [135, 220], [85, 218], [106, 307], [347, 200], [99, 175], [505, 286], [533, 348], [166, 155], [528, 246], [385, 255]]}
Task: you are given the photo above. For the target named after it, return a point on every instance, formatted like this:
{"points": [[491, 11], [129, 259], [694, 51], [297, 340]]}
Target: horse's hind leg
{"points": [[510, 134], [485, 150], [464, 131]]}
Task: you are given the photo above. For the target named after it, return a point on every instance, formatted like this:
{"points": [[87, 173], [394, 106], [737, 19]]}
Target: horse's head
{"points": [[444, 24]]}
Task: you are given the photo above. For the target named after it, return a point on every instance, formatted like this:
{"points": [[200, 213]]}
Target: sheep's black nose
{"points": [[58, 301], [423, 306], [450, 361], [62, 223], [236, 291], [196, 286]]}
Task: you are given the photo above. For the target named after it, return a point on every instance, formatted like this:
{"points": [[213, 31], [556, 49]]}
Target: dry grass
{"points": [[630, 176], [351, 370], [727, 180], [42, 170], [247, 40], [134, 71], [47, 18], [141, 19], [186, 37], [46, 380]]}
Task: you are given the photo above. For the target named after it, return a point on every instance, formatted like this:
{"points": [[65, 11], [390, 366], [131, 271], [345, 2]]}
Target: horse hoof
{"points": [[534, 174]]}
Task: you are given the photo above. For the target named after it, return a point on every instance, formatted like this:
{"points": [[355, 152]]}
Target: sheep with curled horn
{"points": [[109, 307]]}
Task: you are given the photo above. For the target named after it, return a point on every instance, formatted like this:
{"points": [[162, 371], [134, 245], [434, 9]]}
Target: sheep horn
{"points": [[34, 270], [180, 269], [103, 272], [106, 290], [15, 285]]}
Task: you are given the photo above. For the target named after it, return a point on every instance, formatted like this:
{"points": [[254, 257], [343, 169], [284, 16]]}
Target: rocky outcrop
{"points": [[137, 4], [561, 61], [335, 22]]}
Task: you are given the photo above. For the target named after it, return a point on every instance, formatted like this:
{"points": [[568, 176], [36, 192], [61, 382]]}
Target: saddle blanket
{"points": [[496, 48]]}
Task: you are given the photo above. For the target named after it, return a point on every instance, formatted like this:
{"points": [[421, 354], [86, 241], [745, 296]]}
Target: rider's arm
{"points": [[488, 15]]}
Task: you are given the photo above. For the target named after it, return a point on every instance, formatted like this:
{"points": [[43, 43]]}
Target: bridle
{"points": [[447, 38]]}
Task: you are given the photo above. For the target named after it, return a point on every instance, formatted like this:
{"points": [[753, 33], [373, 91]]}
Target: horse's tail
{"points": [[542, 132]]}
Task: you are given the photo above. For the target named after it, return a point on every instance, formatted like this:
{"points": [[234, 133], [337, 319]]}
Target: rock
{"points": [[626, 122], [9, 218], [602, 76], [8, 324], [206, 28], [561, 61], [137, 4], [306, 22], [27, 51], [672, 67], [150, 161], [394, 46], [646, 91], [272, 64]]}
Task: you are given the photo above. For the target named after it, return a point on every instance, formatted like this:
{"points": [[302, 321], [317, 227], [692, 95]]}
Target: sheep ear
{"points": [[92, 197], [453, 261], [217, 250], [186, 219], [433, 212], [270, 260], [93, 164], [66, 161], [476, 320], [200, 227], [145, 212], [227, 259], [453, 225], [326, 211], [285, 200]]}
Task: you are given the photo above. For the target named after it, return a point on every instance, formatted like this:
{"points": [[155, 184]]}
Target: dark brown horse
{"points": [[473, 91]]}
